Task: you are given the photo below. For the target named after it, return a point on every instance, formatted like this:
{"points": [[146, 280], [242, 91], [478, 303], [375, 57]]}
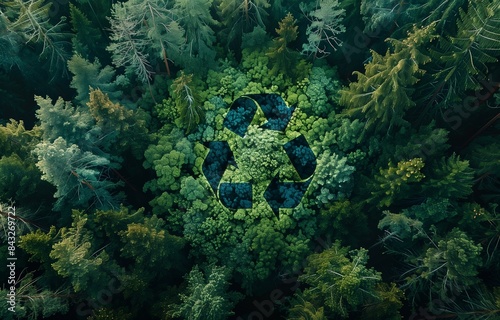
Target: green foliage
{"points": [[393, 183], [431, 211], [150, 245], [325, 27], [87, 74], [142, 31], [241, 15], [79, 176], [171, 158], [387, 303], [280, 55], [257, 39], [451, 178], [464, 58], [62, 119], [14, 138], [20, 179], [32, 23], [322, 91], [380, 14], [11, 45], [38, 244], [484, 158], [108, 314], [262, 158], [449, 265], [188, 105], [339, 280], [382, 94], [195, 18], [370, 140], [33, 302], [401, 225], [479, 303], [206, 295], [332, 180], [87, 37], [305, 310], [76, 258], [120, 129]]}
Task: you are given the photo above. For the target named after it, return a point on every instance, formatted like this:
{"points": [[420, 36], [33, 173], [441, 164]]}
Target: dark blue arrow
{"points": [[216, 162], [277, 113], [301, 156], [284, 194], [236, 195], [240, 115]]}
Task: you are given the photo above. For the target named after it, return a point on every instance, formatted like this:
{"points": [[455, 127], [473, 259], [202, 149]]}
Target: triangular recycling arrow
{"points": [[216, 162], [279, 194]]}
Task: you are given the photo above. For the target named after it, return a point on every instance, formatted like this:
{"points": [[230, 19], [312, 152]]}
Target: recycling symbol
{"points": [[278, 194]]}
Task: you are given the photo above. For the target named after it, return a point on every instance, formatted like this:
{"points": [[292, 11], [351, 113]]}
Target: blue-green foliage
{"points": [[91, 74], [332, 180], [79, 176]]}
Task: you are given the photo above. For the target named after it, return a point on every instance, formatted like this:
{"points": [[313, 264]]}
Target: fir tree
{"points": [[463, 59], [194, 17], [382, 93], [142, 32], [188, 105], [87, 74], [33, 24], [324, 28], [281, 56]]}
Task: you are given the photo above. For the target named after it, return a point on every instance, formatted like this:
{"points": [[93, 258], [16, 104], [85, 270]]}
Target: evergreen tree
{"points": [[32, 23], [339, 280], [81, 177], [241, 16], [87, 37], [382, 94], [142, 32], [62, 119], [324, 28], [463, 59], [196, 20], [206, 295], [87, 74], [188, 104], [281, 56]]}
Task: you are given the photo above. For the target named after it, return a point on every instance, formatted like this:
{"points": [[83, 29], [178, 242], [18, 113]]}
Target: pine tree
{"points": [[88, 74], [188, 104], [339, 279], [33, 25], [451, 178], [142, 32], [241, 16], [206, 295], [75, 257], [393, 183], [34, 301], [87, 36], [196, 20], [325, 27], [281, 56], [463, 59], [383, 93], [81, 178], [62, 119]]}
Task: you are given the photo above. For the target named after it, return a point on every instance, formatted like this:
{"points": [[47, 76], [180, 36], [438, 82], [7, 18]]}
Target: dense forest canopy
{"points": [[250, 159]]}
